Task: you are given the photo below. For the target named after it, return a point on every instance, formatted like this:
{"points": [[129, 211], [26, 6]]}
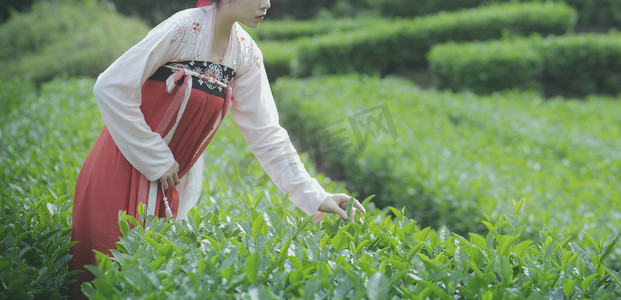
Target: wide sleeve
{"points": [[118, 95], [255, 114]]}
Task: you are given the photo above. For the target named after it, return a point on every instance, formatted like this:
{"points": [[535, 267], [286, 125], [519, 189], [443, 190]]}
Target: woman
{"points": [[161, 102]]}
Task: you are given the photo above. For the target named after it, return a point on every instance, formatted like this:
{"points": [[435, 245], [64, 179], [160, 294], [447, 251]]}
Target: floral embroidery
{"points": [[257, 56], [179, 33], [249, 53], [188, 34]]}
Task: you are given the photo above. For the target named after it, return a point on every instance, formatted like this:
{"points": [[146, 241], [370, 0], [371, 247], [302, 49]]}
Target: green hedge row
{"points": [[486, 67], [582, 64], [281, 41], [278, 57], [403, 44], [597, 12], [64, 38], [405, 8], [449, 158], [292, 29], [573, 64], [591, 12]]}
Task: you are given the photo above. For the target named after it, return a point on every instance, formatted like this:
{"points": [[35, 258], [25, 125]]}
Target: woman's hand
{"points": [[170, 178], [337, 203]]}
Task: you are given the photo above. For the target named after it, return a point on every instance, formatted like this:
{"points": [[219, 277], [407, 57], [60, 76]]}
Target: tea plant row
{"points": [[450, 158]]}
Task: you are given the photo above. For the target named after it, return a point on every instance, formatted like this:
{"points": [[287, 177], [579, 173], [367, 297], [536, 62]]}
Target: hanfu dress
{"points": [[161, 102]]}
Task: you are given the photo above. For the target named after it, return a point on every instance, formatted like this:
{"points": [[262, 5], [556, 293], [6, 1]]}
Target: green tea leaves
{"points": [[253, 264]]}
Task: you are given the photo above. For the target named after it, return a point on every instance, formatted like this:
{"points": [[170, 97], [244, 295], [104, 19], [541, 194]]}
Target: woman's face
{"points": [[248, 12]]}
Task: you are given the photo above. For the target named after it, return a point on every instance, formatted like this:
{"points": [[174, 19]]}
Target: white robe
{"points": [[187, 36]]}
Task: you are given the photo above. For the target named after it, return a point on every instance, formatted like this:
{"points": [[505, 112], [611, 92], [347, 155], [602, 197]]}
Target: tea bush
{"points": [[574, 64], [64, 38], [449, 158], [403, 44], [44, 139], [246, 250]]}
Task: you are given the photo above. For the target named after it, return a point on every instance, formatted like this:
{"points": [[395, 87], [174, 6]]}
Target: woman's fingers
{"points": [[318, 217], [339, 210], [359, 206], [171, 181], [352, 213], [171, 177], [337, 204], [331, 204], [164, 183]]}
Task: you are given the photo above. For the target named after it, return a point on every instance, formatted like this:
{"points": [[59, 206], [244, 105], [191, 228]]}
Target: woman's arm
{"points": [[118, 95], [255, 114]]}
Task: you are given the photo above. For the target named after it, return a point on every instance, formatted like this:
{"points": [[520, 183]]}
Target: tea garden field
{"points": [[505, 195], [245, 241]]}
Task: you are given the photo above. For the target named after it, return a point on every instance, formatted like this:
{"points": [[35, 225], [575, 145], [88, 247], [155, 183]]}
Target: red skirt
{"points": [[108, 183]]}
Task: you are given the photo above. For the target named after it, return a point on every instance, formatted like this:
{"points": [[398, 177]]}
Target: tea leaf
{"points": [[253, 264]]}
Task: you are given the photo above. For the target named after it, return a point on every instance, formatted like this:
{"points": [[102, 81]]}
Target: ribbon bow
{"points": [[203, 3]]}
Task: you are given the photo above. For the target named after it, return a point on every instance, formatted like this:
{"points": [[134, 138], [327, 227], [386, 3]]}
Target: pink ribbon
{"points": [[202, 3]]}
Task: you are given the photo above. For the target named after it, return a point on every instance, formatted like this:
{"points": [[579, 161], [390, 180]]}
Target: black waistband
{"points": [[223, 73]]}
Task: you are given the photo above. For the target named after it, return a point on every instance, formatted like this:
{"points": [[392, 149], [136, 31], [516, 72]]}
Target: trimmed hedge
{"points": [[405, 8], [278, 56], [598, 12], [293, 29], [281, 41], [404, 43], [591, 12], [66, 38], [574, 64], [582, 64], [485, 67]]}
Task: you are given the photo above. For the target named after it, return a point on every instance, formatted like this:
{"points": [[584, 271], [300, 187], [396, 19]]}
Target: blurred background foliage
{"points": [[598, 13], [45, 38], [65, 37]]}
